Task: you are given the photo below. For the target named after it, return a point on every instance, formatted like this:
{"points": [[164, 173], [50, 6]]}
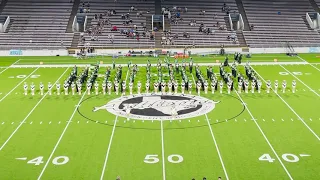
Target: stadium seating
{"points": [[37, 24], [121, 7], [278, 22], [217, 38]]}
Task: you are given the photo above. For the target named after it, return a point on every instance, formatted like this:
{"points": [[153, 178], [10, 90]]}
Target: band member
{"points": [[183, 86], [240, 85], [268, 86], [130, 87], [79, 85], [170, 86], [284, 85], [253, 86], [221, 86], [259, 86], [139, 87], [89, 85], [124, 86], [50, 88], [96, 87], [73, 88], [41, 88], [65, 87], [229, 84], [32, 86], [104, 86], [58, 88], [276, 86], [163, 87], [156, 87], [205, 84], [246, 85], [25, 87], [190, 87], [213, 86], [294, 84], [109, 85], [198, 87], [175, 84], [116, 86], [147, 86]]}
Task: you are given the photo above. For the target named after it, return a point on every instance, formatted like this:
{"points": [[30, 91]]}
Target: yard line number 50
{"points": [[153, 159]]}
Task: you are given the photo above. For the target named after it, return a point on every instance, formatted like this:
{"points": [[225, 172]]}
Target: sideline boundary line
{"points": [[18, 85], [309, 63], [214, 140], [265, 137], [22, 122], [288, 106], [110, 141], [9, 66]]}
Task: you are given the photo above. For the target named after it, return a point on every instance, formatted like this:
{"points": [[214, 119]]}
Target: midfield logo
{"points": [[159, 107]]}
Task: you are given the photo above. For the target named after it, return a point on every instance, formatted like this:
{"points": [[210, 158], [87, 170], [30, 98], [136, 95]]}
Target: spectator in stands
{"points": [[251, 27], [114, 28]]}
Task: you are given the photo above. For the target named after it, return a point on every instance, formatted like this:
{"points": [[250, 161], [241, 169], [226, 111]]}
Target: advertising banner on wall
{"points": [[15, 52]]}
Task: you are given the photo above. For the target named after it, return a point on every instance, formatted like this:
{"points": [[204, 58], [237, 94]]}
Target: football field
{"points": [[261, 136]]}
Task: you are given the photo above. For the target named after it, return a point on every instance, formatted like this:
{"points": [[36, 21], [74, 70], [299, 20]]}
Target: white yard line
{"points": [[265, 137], [309, 63], [162, 152], [23, 121], [301, 81], [214, 140], [61, 136], [290, 107], [110, 141], [216, 144], [9, 66], [18, 84]]}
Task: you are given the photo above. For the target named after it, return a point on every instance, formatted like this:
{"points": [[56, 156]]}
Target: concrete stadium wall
{"points": [[63, 52], [44, 52]]}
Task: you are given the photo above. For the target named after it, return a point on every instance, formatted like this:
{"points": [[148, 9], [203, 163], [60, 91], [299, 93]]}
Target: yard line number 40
{"points": [[292, 158], [59, 160]]}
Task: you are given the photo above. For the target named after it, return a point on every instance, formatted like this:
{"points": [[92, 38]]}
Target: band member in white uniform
{"points": [[284, 86], [58, 88], [79, 85], [96, 87], [213, 86], [198, 87], [294, 84], [229, 84], [221, 86], [73, 88], [190, 87], [147, 86], [253, 86], [268, 86], [163, 87], [183, 86], [206, 85], [109, 87], [50, 88], [240, 86], [124, 86], [246, 86], [65, 87], [104, 87], [116, 86], [32, 86], [41, 88], [259, 86], [276, 86], [89, 85], [25, 88], [175, 84], [130, 87], [139, 87], [169, 87]]}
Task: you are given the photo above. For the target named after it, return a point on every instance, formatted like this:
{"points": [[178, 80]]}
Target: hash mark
{"points": [[217, 120], [282, 119], [310, 119], [235, 120], [106, 121], [87, 121], [198, 120], [96, 121], [31, 122], [12, 122], [59, 122], [2, 122], [134, 121], [78, 122], [179, 120], [245, 120], [272, 119], [263, 120], [189, 120], [291, 119], [50, 122]]}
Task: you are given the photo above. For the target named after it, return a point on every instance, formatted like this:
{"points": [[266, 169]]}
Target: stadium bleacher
{"points": [[278, 22], [121, 7], [37, 24], [199, 39]]}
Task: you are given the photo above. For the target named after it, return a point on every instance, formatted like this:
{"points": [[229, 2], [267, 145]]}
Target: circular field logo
{"points": [[158, 107]]}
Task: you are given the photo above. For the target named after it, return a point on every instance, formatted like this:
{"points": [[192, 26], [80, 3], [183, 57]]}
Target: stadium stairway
{"points": [[75, 40], [167, 24], [226, 20], [243, 14], [314, 5], [2, 5], [149, 22], [241, 39], [158, 37], [74, 11], [9, 25], [306, 22], [157, 6], [88, 25]]}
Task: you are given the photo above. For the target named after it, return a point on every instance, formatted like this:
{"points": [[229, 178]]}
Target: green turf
{"points": [[227, 144]]}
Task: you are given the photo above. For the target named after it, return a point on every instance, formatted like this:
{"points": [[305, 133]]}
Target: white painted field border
{"points": [[18, 84], [110, 141], [9, 66], [289, 107], [301, 81], [61, 136], [162, 153], [265, 137], [311, 64], [23, 121], [214, 141]]}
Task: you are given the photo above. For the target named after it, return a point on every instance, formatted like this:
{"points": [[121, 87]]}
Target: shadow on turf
{"points": [[111, 125]]}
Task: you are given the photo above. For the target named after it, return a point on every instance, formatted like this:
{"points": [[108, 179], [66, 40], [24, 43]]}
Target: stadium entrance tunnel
{"points": [[154, 107]]}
